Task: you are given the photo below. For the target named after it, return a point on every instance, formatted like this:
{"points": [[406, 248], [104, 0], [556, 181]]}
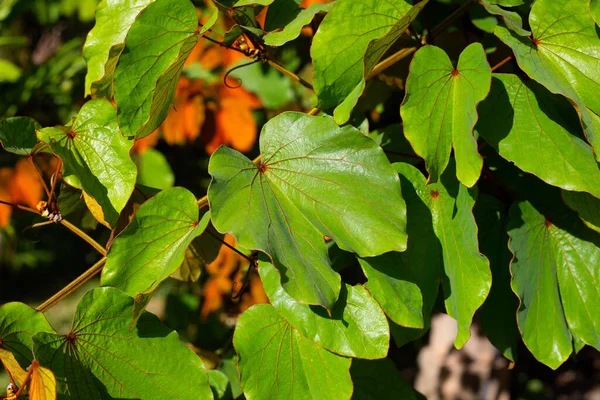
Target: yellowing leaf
{"points": [[12, 367], [43, 383]]}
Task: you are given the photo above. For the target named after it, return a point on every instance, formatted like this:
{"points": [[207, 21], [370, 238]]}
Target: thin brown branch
{"points": [[501, 63], [83, 235]]}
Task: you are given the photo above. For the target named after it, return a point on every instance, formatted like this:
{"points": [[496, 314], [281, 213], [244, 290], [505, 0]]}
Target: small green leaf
{"points": [[356, 328], [511, 19], [9, 72], [468, 278], [203, 250], [95, 156], [154, 170], [102, 357], [440, 109], [563, 55], [348, 44], [105, 41], [157, 45], [219, 384], [497, 316], [292, 29], [536, 130], [278, 362], [379, 380], [242, 3], [314, 179], [555, 268], [280, 13], [18, 322], [586, 205], [17, 135], [153, 245]]}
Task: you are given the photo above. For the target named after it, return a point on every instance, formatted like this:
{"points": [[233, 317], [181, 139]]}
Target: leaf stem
{"points": [[25, 208], [71, 287], [84, 236], [501, 63], [290, 74]]}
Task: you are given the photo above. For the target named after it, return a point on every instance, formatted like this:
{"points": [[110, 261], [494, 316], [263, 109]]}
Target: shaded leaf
{"points": [[356, 327], [156, 47], [379, 380], [276, 361], [280, 13], [102, 357], [563, 55], [468, 278], [293, 28], [554, 268], [154, 170], [302, 190], [18, 322], [219, 384], [497, 316], [153, 245], [242, 3], [440, 109], [12, 367], [511, 19], [203, 250], [106, 40], [95, 156], [348, 44], [534, 129], [17, 135], [587, 206]]}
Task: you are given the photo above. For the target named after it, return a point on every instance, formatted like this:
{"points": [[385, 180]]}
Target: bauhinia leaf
{"points": [[153, 245], [555, 274], [379, 380], [17, 135], [292, 29], [42, 385], [106, 40], [314, 179], [535, 129], [95, 156], [563, 55], [350, 41], [440, 109], [356, 328], [586, 205], [102, 357], [18, 322], [156, 47], [511, 19], [278, 362], [468, 278], [10, 364]]}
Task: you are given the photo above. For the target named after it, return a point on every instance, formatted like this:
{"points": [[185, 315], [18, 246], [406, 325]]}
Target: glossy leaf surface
{"points": [[95, 156], [17, 135], [468, 278], [104, 357], [18, 322], [314, 179], [106, 40], [563, 55], [156, 47], [153, 245], [537, 131], [554, 269], [440, 109], [276, 361], [350, 41], [356, 328]]}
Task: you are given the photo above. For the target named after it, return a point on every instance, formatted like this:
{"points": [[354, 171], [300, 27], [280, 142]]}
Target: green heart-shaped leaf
{"points": [[105, 41], [350, 41], [277, 362], [156, 47], [468, 278], [356, 328], [440, 109], [555, 270], [18, 323], [102, 357], [95, 156], [314, 179], [17, 135], [563, 55], [293, 28], [153, 245], [536, 130]]}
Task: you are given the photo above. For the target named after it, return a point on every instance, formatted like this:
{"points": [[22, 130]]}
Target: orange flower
{"points": [[20, 185], [185, 119]]}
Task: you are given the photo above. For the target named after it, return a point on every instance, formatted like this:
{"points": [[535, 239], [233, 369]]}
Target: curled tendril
{"points": [[238, 79]]}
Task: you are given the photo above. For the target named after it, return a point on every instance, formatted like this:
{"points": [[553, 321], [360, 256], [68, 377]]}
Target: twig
{"points": [[501, 63], [84, 236], [71, 287]]}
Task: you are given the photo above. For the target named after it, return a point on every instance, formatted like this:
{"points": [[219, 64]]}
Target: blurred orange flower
{"points": [[20, 185]]}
